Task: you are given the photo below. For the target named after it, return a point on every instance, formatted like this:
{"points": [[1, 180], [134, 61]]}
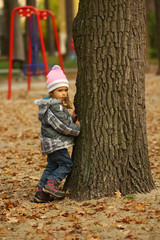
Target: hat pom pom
{"points": [[55, 67]]}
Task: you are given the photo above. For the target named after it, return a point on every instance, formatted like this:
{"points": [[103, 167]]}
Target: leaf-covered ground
{"points": [[21, 165]]}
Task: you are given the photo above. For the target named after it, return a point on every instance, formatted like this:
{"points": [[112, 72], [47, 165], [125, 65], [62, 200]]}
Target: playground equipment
{"points": [[25, 11], [44, 14], [34, 67]]}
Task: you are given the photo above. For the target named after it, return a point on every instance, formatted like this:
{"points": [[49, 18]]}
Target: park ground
{"points": [[21, 165]]}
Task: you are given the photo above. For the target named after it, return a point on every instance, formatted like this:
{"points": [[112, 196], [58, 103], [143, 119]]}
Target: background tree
{"points": [[5, 39], [111, 152], [69, 21], [157, 8], [18, 50], [31, 3], [50, 38], [152, 31]]}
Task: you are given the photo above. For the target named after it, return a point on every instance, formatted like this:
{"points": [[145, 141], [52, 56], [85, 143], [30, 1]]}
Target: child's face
{"points": [[61, 93]]}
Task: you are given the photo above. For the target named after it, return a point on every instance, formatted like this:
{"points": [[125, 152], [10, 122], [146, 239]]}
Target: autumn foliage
{"points": [[21, 165]]}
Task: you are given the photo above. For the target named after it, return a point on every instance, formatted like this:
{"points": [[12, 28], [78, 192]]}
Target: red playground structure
{"points": [[44, 14], [35, 43]]}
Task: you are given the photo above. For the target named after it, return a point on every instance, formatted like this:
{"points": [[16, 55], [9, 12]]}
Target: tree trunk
{"points": [[111, 152], [6, 18], [69, 21], [50, 38], [31, 3], [157, 7], [18, 49]]}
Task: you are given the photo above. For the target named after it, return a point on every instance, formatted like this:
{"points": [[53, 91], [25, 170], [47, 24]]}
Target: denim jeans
{"points": [[59, 165]]}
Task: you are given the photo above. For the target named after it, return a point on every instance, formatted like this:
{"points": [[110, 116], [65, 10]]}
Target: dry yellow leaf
{"points": [[118, 194]]}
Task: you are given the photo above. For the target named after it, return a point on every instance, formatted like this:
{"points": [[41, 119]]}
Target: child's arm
{"points": [[58, 119]]}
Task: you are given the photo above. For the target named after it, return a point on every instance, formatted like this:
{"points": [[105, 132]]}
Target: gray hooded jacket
{"points": [[57, 128]]}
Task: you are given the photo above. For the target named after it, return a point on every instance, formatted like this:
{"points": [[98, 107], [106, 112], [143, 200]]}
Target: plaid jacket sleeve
{"points": [[61, 121]]}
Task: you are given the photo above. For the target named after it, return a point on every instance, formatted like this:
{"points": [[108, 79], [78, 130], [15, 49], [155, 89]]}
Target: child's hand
{"points": [[78, 123], [74, 116]]}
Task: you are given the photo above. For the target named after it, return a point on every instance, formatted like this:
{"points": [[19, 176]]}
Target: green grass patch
{"points": [[4, 64], [68, 63], [153, 61], [96, 228], [132, 196]]}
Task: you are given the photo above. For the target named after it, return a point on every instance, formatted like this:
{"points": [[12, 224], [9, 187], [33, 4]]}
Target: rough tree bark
{"points": [[111, 152], [157, 8]]}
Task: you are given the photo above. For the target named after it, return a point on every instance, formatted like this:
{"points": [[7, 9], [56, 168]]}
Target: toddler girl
{"points": [[58, 131]]}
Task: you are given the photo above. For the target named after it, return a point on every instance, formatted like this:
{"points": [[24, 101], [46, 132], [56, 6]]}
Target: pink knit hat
{"points": [[56, 78]]}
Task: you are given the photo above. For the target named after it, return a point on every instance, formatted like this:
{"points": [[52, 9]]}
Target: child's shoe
{"points": [[52, 188], [41, 197]]}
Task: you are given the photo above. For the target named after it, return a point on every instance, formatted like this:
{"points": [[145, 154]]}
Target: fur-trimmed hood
{"points": [[44, 104]]}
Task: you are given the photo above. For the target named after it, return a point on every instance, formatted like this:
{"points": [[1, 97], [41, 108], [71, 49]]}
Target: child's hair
{"points": [[66, 103]]}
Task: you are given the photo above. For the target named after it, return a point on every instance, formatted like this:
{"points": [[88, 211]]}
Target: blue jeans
{"points": [[59, 165]]}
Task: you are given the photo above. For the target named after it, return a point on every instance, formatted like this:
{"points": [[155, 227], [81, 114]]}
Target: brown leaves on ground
{"points": [[21, 162]]}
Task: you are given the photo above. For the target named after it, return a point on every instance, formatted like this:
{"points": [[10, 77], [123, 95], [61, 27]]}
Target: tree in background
{"points": [[31, 3], [47, 26], [18, 50], [111, 152], [69, 21], [152, 31], [50, 38], [5, 41], [8, 7], [157, 8]]}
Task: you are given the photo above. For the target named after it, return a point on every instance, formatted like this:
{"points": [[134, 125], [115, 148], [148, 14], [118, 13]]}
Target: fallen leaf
{"points": [[118, 194], [13, 220], [3, 231], [4, 196], [127, 219], [121, 226]]}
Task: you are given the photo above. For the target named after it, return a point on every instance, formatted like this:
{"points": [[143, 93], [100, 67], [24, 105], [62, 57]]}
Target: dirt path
{"points": [[21, 166]]}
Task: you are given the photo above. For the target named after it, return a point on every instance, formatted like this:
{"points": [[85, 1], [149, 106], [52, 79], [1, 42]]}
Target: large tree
{"points": [[111, 152]]}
